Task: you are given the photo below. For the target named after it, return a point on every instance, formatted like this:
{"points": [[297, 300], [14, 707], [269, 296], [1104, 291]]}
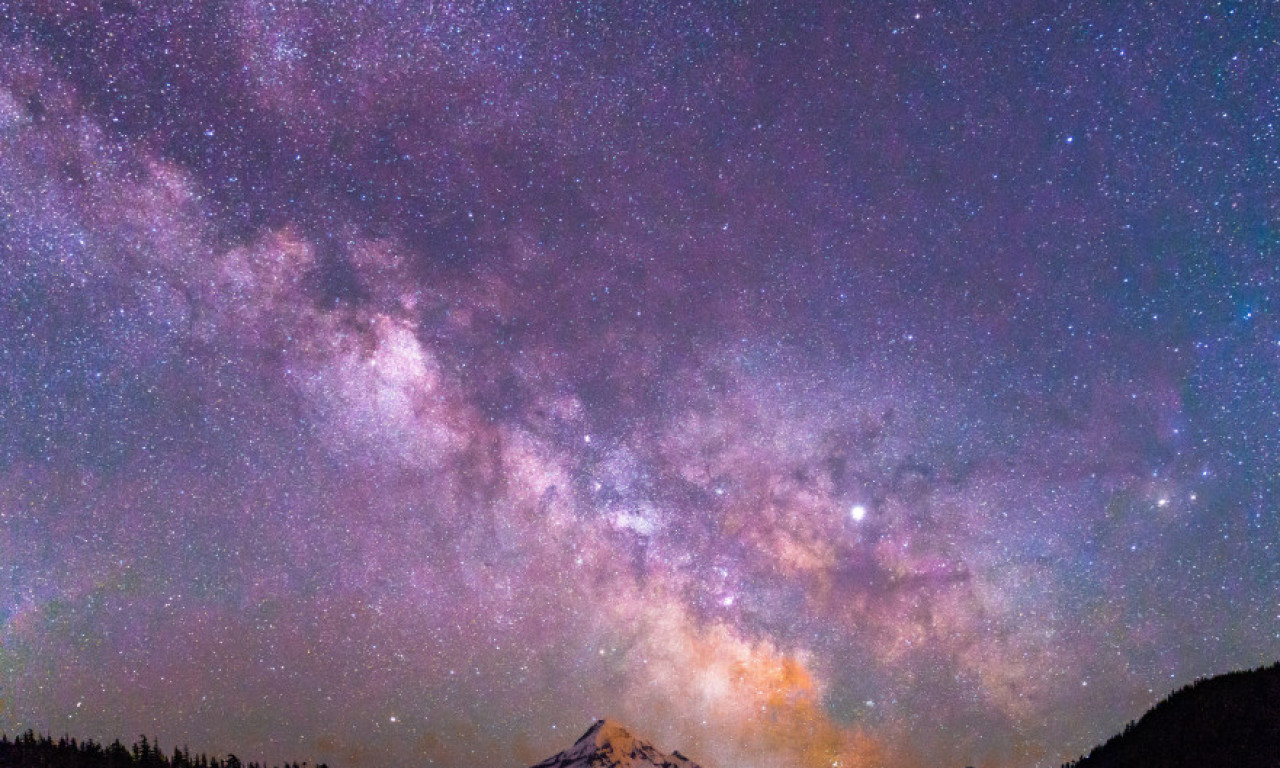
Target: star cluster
{"points": [[408, 383]]}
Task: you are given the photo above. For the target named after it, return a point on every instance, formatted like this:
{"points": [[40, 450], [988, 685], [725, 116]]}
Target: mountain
{"points": [[1230, 720], [609, 745]]}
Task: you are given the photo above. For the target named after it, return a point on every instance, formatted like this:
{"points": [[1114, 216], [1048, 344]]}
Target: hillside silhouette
{"points": [[31, 751], [1230, 720]]}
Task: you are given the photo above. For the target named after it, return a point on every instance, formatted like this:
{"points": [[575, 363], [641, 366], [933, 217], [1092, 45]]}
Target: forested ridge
{"points": [[30, 750], [1228, 720]]}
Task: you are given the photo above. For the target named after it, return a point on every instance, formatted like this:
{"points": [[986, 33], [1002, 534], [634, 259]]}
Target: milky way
{"points": [[409, 383]]}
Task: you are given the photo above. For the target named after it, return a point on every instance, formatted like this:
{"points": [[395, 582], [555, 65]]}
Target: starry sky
{"points": [[405, 383]]}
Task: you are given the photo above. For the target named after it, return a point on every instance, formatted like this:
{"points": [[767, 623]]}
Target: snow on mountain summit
{"points": [[608, 744]]}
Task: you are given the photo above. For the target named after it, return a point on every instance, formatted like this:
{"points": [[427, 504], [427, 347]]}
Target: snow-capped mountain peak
{"points": [[608, 744]]}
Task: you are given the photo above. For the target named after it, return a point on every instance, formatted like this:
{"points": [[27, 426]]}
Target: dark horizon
{"points": [[1228, 719], [405, 383]]}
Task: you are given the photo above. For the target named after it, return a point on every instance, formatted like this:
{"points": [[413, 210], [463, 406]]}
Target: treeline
{"points": [[1228, 720], [31, 751]]}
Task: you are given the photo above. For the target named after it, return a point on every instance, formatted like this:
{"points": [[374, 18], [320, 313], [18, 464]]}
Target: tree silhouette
{"points": [[1229, 720], [28, 750]]}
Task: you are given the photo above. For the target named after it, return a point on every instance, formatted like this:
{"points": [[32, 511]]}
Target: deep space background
{"points": [[809, 385]]}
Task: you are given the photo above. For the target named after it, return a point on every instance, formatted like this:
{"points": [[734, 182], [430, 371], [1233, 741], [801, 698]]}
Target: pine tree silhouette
{"points": [[1230, 720], [28, 750]]}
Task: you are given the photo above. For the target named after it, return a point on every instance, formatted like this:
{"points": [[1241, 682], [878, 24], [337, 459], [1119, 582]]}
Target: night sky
{"points": [[805, 385]]}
